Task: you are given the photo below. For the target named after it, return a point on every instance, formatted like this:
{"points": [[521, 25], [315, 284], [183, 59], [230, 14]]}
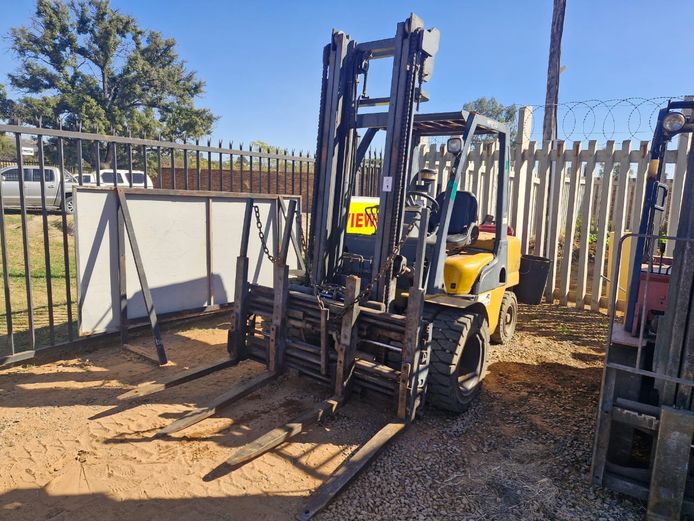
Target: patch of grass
{"points": [[39, 282], [564, 330]]}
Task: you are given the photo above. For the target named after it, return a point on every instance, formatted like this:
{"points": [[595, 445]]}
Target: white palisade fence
{"points": [[566, 200]]}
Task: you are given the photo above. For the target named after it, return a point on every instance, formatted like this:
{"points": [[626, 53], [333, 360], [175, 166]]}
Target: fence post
{"points": [[586, 225], [521, 174], [554, 217], [619, 210], [603, 221], [570, 228], [619, 215], [486, 189], [544, 160], [430, 159], [640, 189], [476, 156], [442, 156], [527, 194]]}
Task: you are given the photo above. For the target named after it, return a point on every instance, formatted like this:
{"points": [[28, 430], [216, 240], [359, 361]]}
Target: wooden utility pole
{"points": [[549, 127]]}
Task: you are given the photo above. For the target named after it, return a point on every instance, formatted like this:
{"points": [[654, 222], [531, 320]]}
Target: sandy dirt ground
{"points": [[522, 452]]}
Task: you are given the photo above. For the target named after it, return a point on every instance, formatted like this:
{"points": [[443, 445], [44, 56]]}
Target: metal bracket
{"points": [[236, 339], [344, 346], [278, 331]]}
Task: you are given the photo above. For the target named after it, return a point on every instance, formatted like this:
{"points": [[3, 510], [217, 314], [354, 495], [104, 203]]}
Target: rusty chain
{"points": [[364, 293], [261, 235]]}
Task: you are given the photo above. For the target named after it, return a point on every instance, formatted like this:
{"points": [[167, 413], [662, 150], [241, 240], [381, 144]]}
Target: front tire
{"points": [[459, 357], [508, 317]]}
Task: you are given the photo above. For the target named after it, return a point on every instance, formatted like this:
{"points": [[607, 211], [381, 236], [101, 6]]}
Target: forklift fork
{"points": [[238, 331]]}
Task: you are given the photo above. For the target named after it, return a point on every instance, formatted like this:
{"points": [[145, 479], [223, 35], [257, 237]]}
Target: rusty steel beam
{"points": [[150, 388], [280, 434], [350, 469], [234, 394]]}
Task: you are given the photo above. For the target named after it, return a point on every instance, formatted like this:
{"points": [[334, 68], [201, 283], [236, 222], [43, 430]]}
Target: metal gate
{"points": [[39, 304]]}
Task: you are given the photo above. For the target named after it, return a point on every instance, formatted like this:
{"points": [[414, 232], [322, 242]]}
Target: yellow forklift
{"points": [[469, 298], [402, 312]]}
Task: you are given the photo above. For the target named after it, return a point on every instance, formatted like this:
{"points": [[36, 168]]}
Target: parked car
{"points": [[32, 188], [138, 178], [87, 179]]}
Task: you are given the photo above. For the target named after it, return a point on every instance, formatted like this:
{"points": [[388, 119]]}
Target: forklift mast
{"points": [[340, 149], [656, 193]]}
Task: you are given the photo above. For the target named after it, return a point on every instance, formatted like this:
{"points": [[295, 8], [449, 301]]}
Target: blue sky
{"points": [[262, 60]]}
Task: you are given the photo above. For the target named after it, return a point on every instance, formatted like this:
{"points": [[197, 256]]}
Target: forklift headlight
{"points": [[674, 122], [455, 145]]}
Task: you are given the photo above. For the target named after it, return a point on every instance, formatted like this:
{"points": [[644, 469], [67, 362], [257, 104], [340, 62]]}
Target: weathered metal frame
{"points": [[342, 317], [632, 371], [653, 182], [238, 331], [338, 157]]}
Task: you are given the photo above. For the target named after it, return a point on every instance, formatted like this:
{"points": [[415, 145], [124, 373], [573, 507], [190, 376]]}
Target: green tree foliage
{"points": [[7, 149], [491, 108], [87, 63], [6, 105]]}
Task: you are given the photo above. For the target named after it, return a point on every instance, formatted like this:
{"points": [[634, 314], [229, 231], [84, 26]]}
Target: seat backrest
{"points": [[463, 214]]}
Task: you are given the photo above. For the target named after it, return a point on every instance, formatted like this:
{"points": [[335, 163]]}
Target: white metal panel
{"points": [[96, 245], [227, 220], [172, 235]]}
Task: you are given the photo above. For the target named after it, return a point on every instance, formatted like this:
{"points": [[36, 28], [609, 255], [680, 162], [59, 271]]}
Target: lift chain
{"points": [[363, 294], [261, 235], [388, 262]]}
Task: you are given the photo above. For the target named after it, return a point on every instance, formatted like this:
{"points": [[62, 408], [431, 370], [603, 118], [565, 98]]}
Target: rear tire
{"points": [[459, 356], [69, 205], [508, 317]]}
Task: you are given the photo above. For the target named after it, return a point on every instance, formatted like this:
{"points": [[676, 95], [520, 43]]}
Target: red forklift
{"points": [[645, 426]]}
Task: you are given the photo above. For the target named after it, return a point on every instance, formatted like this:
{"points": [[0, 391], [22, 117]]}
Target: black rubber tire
{"points": [[508, 317], [460, 346], [69, 207]]}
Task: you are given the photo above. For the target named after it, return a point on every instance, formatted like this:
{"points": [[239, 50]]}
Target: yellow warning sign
{"points": [[363, 215]]}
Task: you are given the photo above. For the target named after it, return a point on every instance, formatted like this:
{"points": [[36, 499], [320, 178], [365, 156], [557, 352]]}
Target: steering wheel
{"points": [[433, 203]]}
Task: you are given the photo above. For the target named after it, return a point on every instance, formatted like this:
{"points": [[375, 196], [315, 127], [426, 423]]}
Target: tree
{"points": [[6, 105], [88, 64], [7, 148], [491, 108]]}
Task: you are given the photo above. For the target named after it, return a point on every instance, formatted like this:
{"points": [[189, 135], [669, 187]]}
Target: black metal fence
{"points": [[39, 304]]}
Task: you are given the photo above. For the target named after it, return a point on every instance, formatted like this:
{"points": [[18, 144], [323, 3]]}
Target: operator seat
{"points": [[462, 229]]}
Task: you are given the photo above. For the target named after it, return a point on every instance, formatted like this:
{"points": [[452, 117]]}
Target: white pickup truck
{"points": [[123, 179], [32, 188]]}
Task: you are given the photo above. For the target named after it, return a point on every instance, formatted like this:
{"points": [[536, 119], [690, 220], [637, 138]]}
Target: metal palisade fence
{"points": [[39, 304]]}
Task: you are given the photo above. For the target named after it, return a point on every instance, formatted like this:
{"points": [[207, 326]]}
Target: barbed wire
{"points": [[629, 118], [602, 119]]}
